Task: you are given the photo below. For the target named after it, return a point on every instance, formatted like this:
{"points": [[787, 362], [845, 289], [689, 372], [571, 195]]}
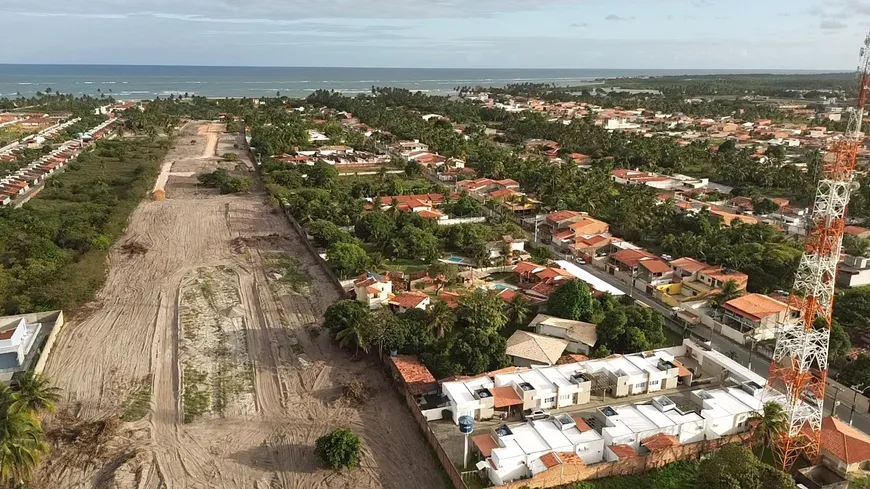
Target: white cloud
{"points": [[831, 25]]}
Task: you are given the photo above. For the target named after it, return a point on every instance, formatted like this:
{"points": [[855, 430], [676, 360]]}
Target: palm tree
{"points": [[769, 424], [729, 290], [441, 318], [21, 441], [517, 309], [354, 333], [21, 446], [35, 394]]}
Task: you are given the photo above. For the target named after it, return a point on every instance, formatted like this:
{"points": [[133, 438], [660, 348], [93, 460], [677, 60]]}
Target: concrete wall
{"points": [[47, 317]]}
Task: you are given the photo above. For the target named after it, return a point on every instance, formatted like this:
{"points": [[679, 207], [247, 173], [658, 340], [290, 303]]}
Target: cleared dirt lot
{"points": [[224, 286]]}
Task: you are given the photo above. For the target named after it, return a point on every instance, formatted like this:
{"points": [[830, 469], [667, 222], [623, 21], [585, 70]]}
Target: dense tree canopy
{"points": [[572, 301]]}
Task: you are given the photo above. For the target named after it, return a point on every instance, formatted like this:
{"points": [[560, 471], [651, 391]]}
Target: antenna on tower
{"points": [[799, 370]]}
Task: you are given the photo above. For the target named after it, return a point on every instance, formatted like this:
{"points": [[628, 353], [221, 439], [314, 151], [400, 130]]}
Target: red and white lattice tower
{"points": [[800, 363]]}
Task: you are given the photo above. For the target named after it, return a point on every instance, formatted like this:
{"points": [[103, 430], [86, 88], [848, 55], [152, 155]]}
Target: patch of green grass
{"points": [[228, 384], [207, 291], [136, 404], [196, 400], [405, 265], [292, 273]]}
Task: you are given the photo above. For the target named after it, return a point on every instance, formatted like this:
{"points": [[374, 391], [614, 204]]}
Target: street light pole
{"points": [[857, 388]]}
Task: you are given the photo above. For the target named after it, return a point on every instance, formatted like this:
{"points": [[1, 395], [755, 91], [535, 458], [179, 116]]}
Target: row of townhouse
{"points": [[604, 432], [573, 384], [22, 180], [56, 124]]}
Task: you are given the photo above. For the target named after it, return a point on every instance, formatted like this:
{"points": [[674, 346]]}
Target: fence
{"points": [[303, 235]]}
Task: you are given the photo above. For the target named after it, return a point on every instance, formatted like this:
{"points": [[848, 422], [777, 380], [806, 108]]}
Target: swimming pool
{"points": [[456, 259], [502, 287]]}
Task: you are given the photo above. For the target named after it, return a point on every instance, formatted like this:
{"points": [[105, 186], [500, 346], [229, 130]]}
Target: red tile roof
{"points": [[560, 216], [623, 451], [655, 266], [581, 425], [484, 443], [525, 267], [571, 358], [7, 334], [844, 442], [631, 257], [553, 273], [660, 441], [755, 306], [505, 396], [689, 264], [855, 230], [551, 460], [416, 376], [408, 300]]}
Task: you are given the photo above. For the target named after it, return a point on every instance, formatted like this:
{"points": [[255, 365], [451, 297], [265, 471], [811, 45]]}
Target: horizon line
{"points": [[723, 70]]}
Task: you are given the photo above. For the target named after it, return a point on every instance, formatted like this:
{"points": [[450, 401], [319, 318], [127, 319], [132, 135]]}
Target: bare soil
{"points": [[204, 288]]}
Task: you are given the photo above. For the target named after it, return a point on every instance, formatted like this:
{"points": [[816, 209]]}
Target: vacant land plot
{"points": [[210, 312]]}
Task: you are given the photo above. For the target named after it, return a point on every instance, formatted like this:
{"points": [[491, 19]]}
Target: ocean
{"points": [[144, 82]]}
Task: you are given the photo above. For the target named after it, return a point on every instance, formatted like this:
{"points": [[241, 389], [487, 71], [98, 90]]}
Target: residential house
{"points": [[26, 340], [727, 411], [508, 250], [581, 336], [857, 231], [16, 340], [414, 375], [373, 290], [757, 315], [527, 349], [694, 280], [562, 228], [409, 300], [844, 449], [639, 268], [854, 271], [636, 425], [407, 147], [524, 450]]}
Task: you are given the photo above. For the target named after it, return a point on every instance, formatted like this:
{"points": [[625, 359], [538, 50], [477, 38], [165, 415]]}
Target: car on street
{"points": [[533, 414]]}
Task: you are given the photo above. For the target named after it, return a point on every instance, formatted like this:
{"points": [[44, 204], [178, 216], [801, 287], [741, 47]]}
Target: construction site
{"points": [[200, 364]]}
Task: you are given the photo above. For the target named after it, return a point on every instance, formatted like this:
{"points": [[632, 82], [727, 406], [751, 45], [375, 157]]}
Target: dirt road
{"points": [[207, 329]]}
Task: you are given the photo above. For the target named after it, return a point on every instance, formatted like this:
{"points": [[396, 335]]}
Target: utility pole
{"points": [[836, 402]]}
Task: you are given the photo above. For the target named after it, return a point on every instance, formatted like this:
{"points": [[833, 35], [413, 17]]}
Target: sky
{"points": [[612, 34]]}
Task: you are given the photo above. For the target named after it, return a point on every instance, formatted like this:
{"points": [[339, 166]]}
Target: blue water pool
{"points": [[503, 287], [455, 259]]}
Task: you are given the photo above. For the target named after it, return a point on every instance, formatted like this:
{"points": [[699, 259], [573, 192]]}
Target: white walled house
{"points": [[854, 271], [527, 449], [16, 341], [373, 290]]}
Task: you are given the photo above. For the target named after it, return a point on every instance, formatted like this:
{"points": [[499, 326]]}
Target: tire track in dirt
{"points": [[133, 330]]}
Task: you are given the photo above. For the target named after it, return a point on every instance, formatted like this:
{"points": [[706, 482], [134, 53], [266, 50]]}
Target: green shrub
{"points": [[338, 449]]}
